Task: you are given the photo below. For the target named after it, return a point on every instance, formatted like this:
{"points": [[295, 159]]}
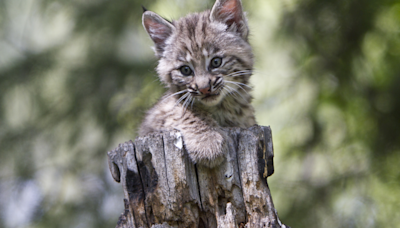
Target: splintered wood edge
{"points": [[269, 151]]}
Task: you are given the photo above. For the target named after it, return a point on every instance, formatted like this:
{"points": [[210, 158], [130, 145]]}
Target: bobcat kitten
{"points": [[205, 60]]}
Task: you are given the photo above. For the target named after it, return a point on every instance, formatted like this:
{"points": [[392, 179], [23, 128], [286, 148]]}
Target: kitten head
{"points": [[203, 56]]}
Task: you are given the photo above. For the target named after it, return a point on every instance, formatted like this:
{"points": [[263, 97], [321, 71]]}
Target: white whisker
{"points": [[192, 102], [239, 86], [233, 92], [179, 92], [230, 91], [240, 73], [183, 97], [186, 101], [239, 83]]}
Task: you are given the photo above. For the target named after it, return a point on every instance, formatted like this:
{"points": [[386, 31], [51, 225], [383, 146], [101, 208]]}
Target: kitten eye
{"points": [[185, 70], [216, 62]]}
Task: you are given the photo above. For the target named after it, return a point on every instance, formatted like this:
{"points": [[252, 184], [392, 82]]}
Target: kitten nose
{"points": [[205, 90]]}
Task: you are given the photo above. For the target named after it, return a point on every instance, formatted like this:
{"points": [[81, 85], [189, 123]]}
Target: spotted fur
{"points": [[213, 95]]}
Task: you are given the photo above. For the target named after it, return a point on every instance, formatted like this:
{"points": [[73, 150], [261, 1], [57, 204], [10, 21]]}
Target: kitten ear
{"points": [[158, 29], [230, 12]]}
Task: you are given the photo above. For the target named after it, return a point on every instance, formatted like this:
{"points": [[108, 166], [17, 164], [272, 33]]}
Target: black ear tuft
{"points": [[144, 9], [230, 12], [159, 30]]}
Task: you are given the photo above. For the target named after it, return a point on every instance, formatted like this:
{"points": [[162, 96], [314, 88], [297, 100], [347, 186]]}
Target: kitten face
{"points": [[204, 56]]}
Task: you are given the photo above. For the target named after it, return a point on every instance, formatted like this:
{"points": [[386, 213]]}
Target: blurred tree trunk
{"points": [[163, 188]]}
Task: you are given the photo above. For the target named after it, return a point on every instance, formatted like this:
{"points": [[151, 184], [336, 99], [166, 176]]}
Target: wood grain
{"points": [[163, 188]]}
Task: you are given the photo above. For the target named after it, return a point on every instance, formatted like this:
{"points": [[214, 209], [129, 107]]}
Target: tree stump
{"points": [[163, 188]]}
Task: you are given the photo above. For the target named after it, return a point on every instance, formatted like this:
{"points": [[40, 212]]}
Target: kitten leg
{"points": [[204, 140]]}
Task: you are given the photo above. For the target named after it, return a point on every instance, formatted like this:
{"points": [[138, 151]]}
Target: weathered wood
{"points": [[163, 188]]}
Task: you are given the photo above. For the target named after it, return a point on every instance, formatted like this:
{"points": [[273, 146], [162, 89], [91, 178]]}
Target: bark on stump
{"points": [[163, 188]]}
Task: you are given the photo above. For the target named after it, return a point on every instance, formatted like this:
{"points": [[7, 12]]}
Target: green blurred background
{"points": [[77, 76]]}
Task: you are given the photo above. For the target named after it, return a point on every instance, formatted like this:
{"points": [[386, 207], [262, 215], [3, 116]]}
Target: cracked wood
{"points": [[163, 188]]}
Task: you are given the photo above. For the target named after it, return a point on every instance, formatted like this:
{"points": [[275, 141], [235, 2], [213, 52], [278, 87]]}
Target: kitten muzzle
{"points": [[206, 90]]}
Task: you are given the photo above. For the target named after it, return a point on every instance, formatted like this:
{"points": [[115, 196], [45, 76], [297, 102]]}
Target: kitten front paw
{"points": [[208, 149]]}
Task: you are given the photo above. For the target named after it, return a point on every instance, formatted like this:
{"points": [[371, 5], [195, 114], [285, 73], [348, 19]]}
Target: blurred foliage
{"points": [[349, 53], [76, 77]]}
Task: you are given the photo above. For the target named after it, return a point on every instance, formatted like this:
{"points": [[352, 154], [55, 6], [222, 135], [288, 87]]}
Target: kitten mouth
{"points": [[211, 99], [210, 96]]}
